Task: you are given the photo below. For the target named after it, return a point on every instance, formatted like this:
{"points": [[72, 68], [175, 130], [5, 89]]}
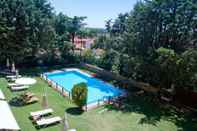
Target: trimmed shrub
{"points": [[79, 94]]}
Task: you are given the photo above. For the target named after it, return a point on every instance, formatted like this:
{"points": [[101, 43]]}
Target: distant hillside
{"points": [[99, 30], [95, 31]]}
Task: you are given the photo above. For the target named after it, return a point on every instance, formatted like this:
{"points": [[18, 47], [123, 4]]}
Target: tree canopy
{"points": [[80, 94], [29, 30], [154, 43]]}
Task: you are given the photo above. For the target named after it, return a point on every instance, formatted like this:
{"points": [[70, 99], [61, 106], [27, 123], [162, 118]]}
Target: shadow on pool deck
{"points": [[153, 113]]}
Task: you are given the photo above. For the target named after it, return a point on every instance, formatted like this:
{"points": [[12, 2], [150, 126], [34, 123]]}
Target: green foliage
{"points": [[154, 43], [75, 24], [88, 56], [168, 63], [175, 69], [29, 31], [80, 94], [93, 32], [188, 71], [26, 23], [108, 59]]}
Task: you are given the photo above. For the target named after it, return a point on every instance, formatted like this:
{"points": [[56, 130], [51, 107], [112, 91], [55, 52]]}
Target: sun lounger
{"points": [[14, 84], [13, 76], [32, 100], [72, 130], [48, 121], [18, 88], [29, 95], [12, 80], [41, 112]]}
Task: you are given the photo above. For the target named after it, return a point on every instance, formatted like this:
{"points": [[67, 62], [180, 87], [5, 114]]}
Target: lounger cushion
{"points": [[41, 112], [48, 121], [17, 88]]}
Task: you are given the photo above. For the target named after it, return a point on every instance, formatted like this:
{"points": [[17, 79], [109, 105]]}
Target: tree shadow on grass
{"points": [[75, 111], [36, 71], [16, 102], [155, 112], [33, 72], [19, 102]]}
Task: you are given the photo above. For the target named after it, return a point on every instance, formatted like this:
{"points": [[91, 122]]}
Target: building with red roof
{"points": [[83, 43]]}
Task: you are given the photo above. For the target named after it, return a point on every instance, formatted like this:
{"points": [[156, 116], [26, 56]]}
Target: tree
{"points": [[168, 62], [24, 22], [88, 56], [93, 32], [108, 25], [29, 28], [155, 24], [62, 26], [177, 70], [80, 94], [148, 43], [13, 28], [187, 73], [119, 26], [75, 24]]}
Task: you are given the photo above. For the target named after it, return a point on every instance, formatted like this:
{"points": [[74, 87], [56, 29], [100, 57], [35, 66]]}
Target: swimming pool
{"points": [[97, 89]]}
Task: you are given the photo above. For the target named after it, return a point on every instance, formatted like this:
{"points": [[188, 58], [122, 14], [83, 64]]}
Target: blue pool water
{"points": [[97, 89]]}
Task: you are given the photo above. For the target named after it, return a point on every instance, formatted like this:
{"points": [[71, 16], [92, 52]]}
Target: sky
{"points": [[97, 11]]}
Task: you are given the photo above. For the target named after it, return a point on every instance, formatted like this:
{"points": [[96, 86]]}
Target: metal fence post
{"points": [[56, 86], [62, 91], [69, 96]]}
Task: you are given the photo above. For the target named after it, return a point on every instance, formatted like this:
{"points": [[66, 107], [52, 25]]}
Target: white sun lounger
{"points": [[48, 121], [14, 84], [18, 88], [13, 76], [72, 130], [41, 112]]}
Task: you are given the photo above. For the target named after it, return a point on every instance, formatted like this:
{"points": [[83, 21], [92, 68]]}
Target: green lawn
{"points": [[139, 115]]}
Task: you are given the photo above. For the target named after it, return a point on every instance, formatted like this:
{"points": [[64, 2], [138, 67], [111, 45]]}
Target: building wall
{"points": [[83, 43]]}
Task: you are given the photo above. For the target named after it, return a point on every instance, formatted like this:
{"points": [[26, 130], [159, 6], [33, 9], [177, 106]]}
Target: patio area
{"points": [[138, 114]]}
